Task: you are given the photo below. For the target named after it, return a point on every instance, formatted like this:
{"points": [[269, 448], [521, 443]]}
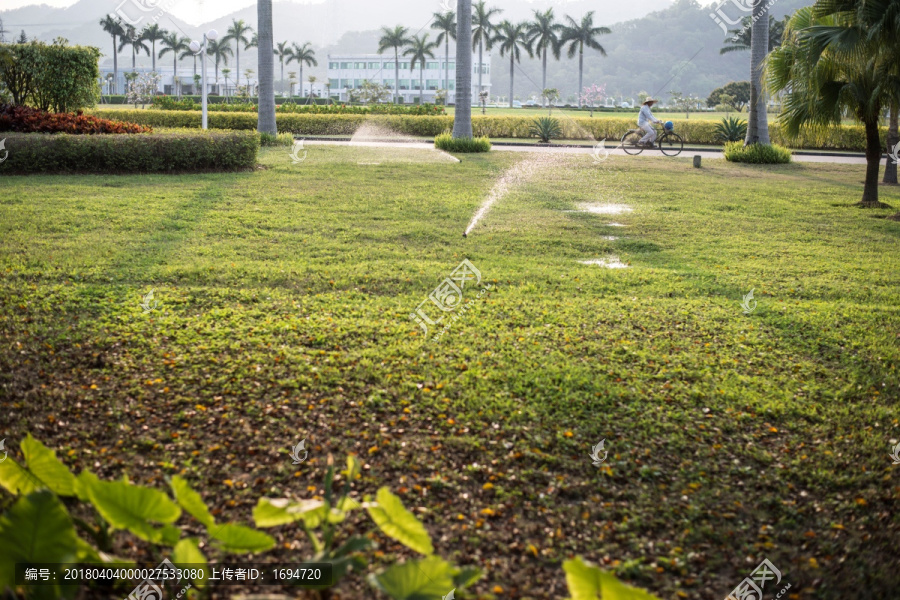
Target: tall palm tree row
{"points": [[395, 38], [282, 51], [577, 36], [420, 49], [172, 42], [132, 38], [114, 27], [303, 55], [153, 33], [238, 32], [482, 34], [543, 34], [512, 39], [220, 50], [446, 24]]}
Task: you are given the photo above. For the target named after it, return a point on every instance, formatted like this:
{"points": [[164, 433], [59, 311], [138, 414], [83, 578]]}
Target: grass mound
{"points": [[758, 154], [446, 142]]}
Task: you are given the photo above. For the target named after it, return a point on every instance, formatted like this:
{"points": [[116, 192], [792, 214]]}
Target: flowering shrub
{"points": [[25, 119]]}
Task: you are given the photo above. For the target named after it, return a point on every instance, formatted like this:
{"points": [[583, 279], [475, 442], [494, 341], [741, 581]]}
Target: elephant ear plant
{"points": [[423, 578]]}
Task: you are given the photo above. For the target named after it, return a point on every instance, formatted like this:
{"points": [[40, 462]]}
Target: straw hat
{"points": [[650, 101]]}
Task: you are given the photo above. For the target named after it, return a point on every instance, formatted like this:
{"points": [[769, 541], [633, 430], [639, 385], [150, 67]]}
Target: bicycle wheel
{"points": [[631, 142], [671, 144]]}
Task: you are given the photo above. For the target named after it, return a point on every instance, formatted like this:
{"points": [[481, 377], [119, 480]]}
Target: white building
{"points": [[348, 72]]}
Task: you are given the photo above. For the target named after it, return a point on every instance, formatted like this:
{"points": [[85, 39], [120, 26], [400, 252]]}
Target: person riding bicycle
{"points": [[645, 120]]}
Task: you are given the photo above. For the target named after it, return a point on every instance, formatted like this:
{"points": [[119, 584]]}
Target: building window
{"points": [[334, 83], [432, 84], [374, 65], [404, 84], [334, 65], [346, 65], [404, 65], [452, 85], [432, 65], [347, 83], [360, 65], [452, 66], [359, 83], [389, 84], [389, 65]]}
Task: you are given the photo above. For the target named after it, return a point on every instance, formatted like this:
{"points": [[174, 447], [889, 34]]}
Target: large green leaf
{"points": [[239, 539], [192, 502], [132, 507], [272, 512], [187, 554], [42, 461], [430, 578], [587, 582], [398, 523], [36, 529], [16, 479]]}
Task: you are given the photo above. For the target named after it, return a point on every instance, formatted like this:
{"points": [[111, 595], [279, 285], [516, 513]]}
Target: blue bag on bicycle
{"points": [[669, 125]]}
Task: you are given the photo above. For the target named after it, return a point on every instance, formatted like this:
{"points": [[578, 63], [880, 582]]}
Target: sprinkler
{"points": [[465, 235]]}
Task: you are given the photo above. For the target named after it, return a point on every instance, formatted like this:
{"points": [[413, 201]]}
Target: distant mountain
{"points": [[650, 48]]}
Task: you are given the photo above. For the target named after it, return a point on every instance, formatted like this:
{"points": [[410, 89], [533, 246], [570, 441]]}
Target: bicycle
{"points": [[668, 142]]}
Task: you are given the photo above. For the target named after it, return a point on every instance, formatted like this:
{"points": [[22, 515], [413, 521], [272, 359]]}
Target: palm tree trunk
{"points": [[890, 168], [447, 67], [396, 75], [133, 59], [115, 66], [580, 73], [758, 120], [873, 164], [153, 45], [544, 80], [422, 84], [237, 84], [480, 61], [174, 72], [266, 61], [462, 119], [282, 77], [301, 80], [512, 70]]}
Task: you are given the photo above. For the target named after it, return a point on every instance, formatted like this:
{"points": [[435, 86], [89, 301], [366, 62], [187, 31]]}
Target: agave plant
{"points": [[731, 129], [545, 128]]}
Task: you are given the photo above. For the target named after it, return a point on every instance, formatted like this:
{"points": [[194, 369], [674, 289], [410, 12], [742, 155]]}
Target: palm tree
{"points": [[282, 51], [174, 43], [543, 32], [153, 33], [220, 50], [740, 39], [238, 32], [462, 115], [446, 24], [419, 51], [266, 122], [828, 66], [303, 55], [132, 38], [394, 38], [187, 53], [482, 34], [578, 35], [512, 39], [113, 26]]}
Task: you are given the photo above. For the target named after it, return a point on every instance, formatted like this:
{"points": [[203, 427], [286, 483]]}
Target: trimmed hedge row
{"points": [[696, 131], [142, 153]]}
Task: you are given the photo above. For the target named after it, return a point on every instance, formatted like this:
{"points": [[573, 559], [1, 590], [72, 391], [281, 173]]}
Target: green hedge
{"points": [[694, 131], [53, 77], [140, 153], [757, 154], [211, 99]]}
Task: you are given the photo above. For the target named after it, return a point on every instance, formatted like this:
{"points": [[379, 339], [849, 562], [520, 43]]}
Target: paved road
{"points": [[707, 154]]}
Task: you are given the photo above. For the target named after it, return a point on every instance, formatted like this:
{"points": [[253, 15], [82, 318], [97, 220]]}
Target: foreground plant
{"points": [[546, 129], [447, 143], [731, 129], [587, 582]]}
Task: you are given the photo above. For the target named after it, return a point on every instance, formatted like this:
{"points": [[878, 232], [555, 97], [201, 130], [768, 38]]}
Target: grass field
{"points": [[284, 301]]}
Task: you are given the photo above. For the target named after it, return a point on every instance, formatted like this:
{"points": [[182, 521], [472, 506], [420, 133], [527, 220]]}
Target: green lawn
{"points": [[284, 301]]}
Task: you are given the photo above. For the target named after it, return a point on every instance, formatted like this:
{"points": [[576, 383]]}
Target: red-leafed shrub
{"points": [[25, 119]]}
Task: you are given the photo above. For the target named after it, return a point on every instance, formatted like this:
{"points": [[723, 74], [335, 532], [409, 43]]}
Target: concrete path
{"points": [[706, 154]]}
